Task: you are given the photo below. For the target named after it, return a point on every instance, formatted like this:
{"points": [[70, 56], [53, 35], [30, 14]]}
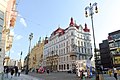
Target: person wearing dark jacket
{"points": [[16, 71], [12, 72], [115, 74], [7, 71]]}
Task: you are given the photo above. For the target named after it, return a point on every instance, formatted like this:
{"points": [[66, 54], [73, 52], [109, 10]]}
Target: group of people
{"points": [[13, 70]]}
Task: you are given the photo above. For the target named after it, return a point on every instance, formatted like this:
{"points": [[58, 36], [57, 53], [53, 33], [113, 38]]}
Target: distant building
{"points": [[36, 56], [10, 62], [110, 50], [65, 46], [114, 45], [106, 58]]}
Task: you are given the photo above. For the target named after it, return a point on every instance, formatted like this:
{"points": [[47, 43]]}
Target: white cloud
{"points": [[18, 37], [19, 15], [22, 21]]}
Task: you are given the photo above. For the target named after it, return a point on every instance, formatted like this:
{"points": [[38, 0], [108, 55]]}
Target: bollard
{"points": [[2, 76]]}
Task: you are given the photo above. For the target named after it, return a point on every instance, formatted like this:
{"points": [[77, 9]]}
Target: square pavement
{"points": [[21, 77]]}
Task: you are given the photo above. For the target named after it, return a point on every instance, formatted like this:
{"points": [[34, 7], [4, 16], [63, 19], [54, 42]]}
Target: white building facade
{"points": [[3, 6], [70, 44]]}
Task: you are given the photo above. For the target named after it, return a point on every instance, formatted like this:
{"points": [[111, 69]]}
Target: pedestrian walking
{"points": [[12, 72], [115, 74], [19, 71], [48, 71], [7, 71], [81, 75], [16, 70]]}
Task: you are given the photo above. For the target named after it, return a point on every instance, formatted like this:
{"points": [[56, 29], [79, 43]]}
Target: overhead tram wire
{"points": [[17, 3], [28, 20]]}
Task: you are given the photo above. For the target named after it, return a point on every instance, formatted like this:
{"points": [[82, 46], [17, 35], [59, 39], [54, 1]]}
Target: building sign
{"points": [[118, 49], [116, 60]]}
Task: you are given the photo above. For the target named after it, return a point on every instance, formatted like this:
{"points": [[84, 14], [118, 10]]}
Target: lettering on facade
{"points": [[116, 60]]}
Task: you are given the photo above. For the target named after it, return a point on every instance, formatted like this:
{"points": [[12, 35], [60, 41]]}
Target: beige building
{"points": [[10, 62], [36, 56], [7, 20]]}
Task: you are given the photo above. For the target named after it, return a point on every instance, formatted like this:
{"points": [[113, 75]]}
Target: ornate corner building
{"points": [[65, 46], [8, 15]]}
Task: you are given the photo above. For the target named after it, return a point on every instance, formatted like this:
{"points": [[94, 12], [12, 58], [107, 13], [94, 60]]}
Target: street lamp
{"points": [[91, 12], [30, 38]]}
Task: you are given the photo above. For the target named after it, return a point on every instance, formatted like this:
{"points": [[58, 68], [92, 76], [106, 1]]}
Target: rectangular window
{"points": [[72, 41], [64, 58], [1, 22], [1, 14], [64, 66], [67, 50], [79, 49], [0, 36], [64, 44], [67, 43], [72, 33], [67, 66], [0, 49], [85, 50], [67, 58], [82, 50], [64, 50], [81, 43]]}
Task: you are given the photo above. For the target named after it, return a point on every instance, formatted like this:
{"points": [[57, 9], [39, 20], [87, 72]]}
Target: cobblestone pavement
{"points": [[53, 76], [66, 76], [21, 77], [56, 76]]}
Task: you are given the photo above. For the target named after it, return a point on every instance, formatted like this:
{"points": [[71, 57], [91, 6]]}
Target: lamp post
{"points": [[91, 12], [27, 65]]}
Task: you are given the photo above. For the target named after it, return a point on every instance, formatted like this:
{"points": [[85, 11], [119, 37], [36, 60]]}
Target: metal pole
{"points": [[91, 14], [27, 66], [94, 37]]}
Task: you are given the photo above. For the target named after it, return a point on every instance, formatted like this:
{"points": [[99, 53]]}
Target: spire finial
{"points": [[85, 25], [39, 40], [71, 22]]}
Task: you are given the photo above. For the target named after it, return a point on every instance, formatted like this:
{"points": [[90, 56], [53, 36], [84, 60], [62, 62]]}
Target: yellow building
{"points": [[7, 20], [36, 56], [52, 62]]}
